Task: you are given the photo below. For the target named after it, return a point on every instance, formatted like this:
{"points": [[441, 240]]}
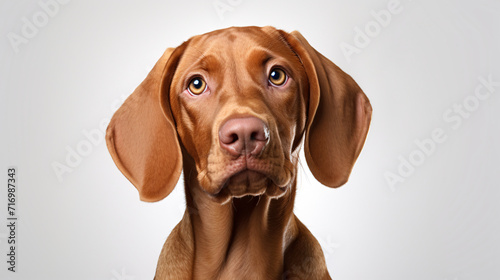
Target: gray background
{"points": [[440, 221]]}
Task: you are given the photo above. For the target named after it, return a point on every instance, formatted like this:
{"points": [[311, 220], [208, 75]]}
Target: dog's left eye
{"points": [[277, 77], [197, 86]]}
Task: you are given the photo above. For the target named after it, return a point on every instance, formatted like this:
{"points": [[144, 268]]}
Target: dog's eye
{"points": [[277, 77], [197, 86]]}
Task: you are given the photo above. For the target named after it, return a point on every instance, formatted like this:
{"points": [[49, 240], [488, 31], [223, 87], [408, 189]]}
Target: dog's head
{"points": [[235, 104]]}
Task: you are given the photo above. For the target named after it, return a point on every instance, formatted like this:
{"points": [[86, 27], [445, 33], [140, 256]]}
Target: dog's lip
{"points": [[249, 168], [226, 195], [243, 172], [269, 168], [240, 171]]}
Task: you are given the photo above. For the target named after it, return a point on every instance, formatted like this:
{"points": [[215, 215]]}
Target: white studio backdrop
{"points": [[422, 201]]}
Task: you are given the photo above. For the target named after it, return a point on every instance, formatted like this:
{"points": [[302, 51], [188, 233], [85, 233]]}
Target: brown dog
{"points": [[230, 108]]}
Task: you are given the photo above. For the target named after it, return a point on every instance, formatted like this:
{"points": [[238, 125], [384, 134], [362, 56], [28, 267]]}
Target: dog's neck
{"points": [[239, 237]]}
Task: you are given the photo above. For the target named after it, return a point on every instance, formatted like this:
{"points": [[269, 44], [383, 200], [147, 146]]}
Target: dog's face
{"points": [[227, 85], [232, 106]]}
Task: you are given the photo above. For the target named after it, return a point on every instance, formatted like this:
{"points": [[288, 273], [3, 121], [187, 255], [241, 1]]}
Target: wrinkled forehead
{"points": [[224, 47]]}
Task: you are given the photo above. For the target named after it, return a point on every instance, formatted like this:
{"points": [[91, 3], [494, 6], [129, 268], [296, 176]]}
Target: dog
{"points": [[230, 108]]}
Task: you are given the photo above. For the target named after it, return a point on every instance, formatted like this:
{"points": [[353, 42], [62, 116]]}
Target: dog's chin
{"points": [[248, 183]]}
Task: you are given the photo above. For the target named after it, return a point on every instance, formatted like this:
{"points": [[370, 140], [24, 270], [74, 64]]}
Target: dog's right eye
{"points": [[197, 86], [277, 77]]}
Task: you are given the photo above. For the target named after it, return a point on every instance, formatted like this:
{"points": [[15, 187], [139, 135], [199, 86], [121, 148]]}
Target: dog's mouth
{"points": [[250, 182], [246, 182], [251, 178]]}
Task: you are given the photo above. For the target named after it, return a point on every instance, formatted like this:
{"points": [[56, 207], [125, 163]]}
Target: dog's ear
{"points": [[142, 138], [339, 115]]}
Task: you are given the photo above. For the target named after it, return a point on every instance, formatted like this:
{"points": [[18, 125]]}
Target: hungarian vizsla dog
{"points": [[231, 108]]}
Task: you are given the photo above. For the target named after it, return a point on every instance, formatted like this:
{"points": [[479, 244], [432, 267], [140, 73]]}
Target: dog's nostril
{"points": [[259, 135], [253, 136], [234, 138]]}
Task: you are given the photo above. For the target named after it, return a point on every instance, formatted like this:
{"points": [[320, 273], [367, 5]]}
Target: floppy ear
{"points": [[339, 115], [142, 139]]}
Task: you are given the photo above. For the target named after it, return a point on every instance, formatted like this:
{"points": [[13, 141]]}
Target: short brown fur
{"points": [[237, 228]]}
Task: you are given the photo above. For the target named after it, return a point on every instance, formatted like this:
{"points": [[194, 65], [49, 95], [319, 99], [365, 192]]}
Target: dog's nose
{"points": [[243, 136]]}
